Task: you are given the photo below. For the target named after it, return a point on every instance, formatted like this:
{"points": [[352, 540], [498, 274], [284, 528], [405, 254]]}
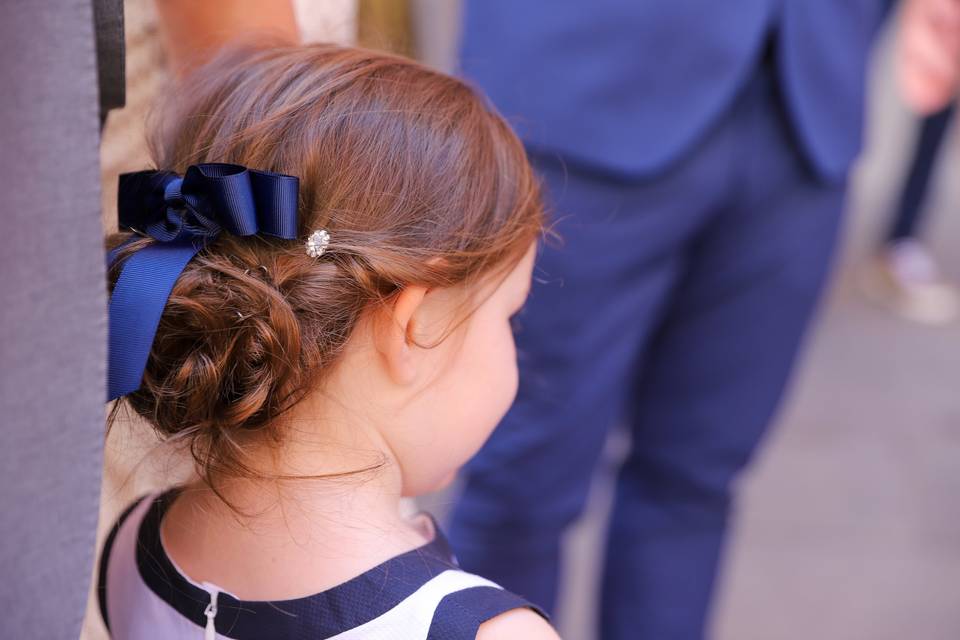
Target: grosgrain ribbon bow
{"points": [[183, 215]]}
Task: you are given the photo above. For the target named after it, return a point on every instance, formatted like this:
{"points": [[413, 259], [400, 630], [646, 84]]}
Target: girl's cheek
{"points": [[511, 372]]}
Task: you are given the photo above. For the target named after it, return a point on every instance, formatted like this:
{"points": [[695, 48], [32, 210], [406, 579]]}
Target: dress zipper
{"points": [[210, 633]]}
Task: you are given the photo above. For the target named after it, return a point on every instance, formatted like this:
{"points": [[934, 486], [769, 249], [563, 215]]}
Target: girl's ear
{"points": [[394, 337]]}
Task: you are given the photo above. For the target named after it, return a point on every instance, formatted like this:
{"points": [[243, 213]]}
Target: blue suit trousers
{"points": [[675, 308]]}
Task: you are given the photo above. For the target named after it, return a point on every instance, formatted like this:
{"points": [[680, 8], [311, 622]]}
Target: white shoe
{"points": [[904, 278]]}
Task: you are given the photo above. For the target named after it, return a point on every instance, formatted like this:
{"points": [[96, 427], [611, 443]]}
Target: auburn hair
{"points": [[413, 173]]}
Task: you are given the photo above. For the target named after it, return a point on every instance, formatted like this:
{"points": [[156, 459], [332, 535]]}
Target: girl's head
{"points": [[401, 329]]}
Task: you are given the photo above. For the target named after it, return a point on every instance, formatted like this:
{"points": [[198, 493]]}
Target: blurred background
{"points": [[847, 526]]}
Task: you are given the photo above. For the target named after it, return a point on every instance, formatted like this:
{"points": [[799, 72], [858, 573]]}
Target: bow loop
{"points": [[209, 198], [183, 215], [172, 192]]}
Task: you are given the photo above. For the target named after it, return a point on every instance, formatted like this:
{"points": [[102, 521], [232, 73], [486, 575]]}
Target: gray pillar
{"points": [[52, 316]]}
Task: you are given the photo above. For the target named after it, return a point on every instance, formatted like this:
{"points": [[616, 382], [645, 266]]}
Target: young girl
{"points": [[324, 323]]}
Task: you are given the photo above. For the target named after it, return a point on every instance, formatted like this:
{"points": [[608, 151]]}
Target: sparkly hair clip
{"points": [[317, 243]]}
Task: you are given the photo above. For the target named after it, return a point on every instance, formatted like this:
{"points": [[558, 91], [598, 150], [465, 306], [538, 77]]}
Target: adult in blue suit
{"points": [[695, 156]]}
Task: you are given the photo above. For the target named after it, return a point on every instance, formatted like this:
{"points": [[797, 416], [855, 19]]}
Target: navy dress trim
{"points": [[104, 560], [324, 614], [460, 614]]}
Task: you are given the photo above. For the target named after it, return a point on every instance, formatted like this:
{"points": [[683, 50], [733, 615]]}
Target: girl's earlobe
{"points": [[393, 337]]}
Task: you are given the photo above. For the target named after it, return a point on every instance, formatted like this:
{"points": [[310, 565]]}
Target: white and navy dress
{"points": [[421, 594]]}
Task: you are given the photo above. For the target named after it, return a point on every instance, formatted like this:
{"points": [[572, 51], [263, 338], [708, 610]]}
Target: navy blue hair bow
{"points": [[183, 215]]}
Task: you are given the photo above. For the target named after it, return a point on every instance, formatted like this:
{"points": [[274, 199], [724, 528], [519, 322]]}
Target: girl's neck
{"points": [[311, 522]]}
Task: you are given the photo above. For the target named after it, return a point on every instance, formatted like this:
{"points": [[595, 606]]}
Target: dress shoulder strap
{"points": [[105, 559], [460, 613], [451, 606]]}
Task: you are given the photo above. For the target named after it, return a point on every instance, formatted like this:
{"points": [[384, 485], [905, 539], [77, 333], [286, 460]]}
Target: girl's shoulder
{"points": [[141, 591], [517, 623]]}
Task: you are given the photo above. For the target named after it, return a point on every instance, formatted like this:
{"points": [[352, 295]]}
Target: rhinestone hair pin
{"points": [[317, 243]]}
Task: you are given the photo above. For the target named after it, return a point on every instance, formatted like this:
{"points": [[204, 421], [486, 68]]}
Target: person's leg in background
{"points": [[597, 299], [714, 374], [906, 277], [910, 207]]}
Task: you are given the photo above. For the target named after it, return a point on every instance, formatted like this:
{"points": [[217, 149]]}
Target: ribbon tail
{"points": [[136, 305]]}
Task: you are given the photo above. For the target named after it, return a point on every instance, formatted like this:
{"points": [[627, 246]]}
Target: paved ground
{"points": [[849, 526]]}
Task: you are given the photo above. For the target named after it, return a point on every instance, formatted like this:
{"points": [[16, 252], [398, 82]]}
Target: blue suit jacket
{"points": [[628, 85]]}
